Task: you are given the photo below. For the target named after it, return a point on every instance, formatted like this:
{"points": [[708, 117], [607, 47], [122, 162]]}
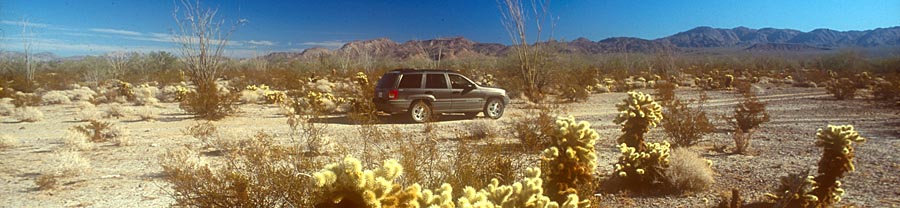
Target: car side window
{"points": [[410, 81], [458, 82], [438, 81]]}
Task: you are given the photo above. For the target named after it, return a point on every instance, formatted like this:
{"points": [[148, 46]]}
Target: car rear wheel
{"points": [[420, 112], [494, 109]]}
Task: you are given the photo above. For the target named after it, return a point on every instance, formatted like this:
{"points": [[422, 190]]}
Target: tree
{"points": [[27, 38], [530, 59]]}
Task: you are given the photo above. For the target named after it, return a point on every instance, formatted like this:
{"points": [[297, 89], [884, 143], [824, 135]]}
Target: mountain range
{"points": [[699, 38]]}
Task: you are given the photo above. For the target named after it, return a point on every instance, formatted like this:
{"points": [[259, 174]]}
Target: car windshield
{"points": [[458, 82], [387, 80]]}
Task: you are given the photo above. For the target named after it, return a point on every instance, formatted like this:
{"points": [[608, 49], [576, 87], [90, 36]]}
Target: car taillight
{"points": [[393, 94]]}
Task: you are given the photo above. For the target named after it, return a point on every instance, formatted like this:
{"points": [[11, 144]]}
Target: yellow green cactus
{"points": [[527, 193], [825, 189], [361, 79], [571, 159], [274, 96], [637, 113], [346, 184], [643, 167], [729, 80]]}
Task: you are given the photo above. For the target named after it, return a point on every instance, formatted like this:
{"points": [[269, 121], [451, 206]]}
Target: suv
{"points": [[422, 93]]}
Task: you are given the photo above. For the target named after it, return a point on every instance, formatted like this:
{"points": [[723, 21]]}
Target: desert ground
{"points": [[130, 176]]}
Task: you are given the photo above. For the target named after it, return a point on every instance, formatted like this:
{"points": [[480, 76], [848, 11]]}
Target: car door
{"points": [[436, 85], [466, 97]]}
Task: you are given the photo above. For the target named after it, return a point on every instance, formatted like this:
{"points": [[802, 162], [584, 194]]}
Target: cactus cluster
{"points": [[637, 114], [346, 184], [643, 167], [571, 159], [842, 88], [361, 79], [823, 190]]}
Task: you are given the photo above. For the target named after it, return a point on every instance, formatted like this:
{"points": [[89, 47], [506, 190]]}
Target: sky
{"points": [[93, 27]]}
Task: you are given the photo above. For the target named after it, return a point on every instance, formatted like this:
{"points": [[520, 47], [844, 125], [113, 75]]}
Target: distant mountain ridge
{"points": [[746, 39]]}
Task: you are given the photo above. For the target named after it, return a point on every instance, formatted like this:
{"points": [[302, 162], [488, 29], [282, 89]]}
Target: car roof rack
{"points": [[422, 70]]}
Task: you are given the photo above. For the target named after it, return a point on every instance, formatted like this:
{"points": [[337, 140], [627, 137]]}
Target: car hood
{"points": [[492, 90]]}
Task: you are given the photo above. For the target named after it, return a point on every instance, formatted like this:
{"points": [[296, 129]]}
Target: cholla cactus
{"points": [[837, 159], [274, 96], [825, 189], [571, 159], [527, 193], [842, 88], [346, 184], [361, 79], [643, 167], [637, 114], [729, 79], [488, 80]]}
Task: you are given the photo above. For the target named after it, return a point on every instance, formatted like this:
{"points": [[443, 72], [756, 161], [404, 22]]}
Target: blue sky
{"points": [[88, 27]]}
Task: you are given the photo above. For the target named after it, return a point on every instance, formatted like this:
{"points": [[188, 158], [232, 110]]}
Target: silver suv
{"points": [[423, 93]]}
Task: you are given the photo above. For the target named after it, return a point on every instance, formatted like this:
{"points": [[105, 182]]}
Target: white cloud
{"points": [[262, 42], [21, 23], [116, 31], [327, 44]]}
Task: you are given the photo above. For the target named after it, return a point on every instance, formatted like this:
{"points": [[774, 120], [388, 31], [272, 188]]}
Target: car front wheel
{"points": [[419, 112], [494, 109]]}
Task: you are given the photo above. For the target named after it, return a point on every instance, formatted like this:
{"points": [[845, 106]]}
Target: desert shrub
{"points": [[209, 102], [62, 165], [474, 165], [204, 131], [574, 93], [823, 190], [533, 129], [55, 97], [685, 126], [688, 172], [481, 129], [6, 107], [258, 174], [885, 90], [744, 88], [147, 113], [7, 141], [842, 88], [570, 161], [174, 93], [146, 95], [86, 111], [75, 140], [308, 131], [25, 99], [250, 96], [665, 92], [82, 94], [28, 114], [102, 131], [748, 115]]}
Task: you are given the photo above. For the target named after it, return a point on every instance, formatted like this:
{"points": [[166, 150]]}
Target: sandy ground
{"points": [[129, 176]]}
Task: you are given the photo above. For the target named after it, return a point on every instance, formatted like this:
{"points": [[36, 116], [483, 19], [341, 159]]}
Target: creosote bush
{"points": [[748, 115], [533, 128], [688, 172], [210, 103], [842, 88], [823, 190], [685, 126]]}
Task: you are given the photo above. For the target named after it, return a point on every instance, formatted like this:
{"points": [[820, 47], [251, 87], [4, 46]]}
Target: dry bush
{"points": [[474, 165], [748, 115], [7, 141], [685, 126], [25, 99], [842, 88], [885, 90], [77, 141], [81, 94], [86, 111], [6, 107], [533, 128], [62, 165], [147, 113], [210, 103], [259, 173], [481, 129], [688, 172], [55, 97], [665, 92], [146, 95], [28, 114], [312, 134], [204, 131], [117, 110], [102, 131]]}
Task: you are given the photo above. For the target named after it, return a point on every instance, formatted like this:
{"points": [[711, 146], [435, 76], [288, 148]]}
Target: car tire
{"points": [[494, 108], [419, 112]]}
